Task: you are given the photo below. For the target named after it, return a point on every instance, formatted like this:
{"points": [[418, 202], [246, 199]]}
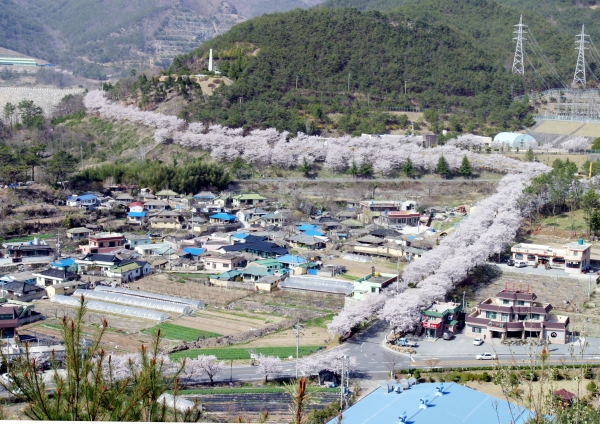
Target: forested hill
{"points": [[562, 16], [327, 51]]}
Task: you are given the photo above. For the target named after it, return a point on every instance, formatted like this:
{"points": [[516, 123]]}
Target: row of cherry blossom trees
{"points": [[576, 144], [270, 147], [487, 231]]}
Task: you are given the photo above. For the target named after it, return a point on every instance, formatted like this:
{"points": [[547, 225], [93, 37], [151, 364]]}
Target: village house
{"points": [[372, 284], [14, 313], [153, 205], [133, 240], [168, 220], [244, 216], [78, 233], [18, 290], [51, 276], [18, 277], [166, 194], [302, 241], [204, 196], [136, 218], [65, 289], [136, 207], [207, 208], [95, 262], [248, 200], [224, 262], [28, 251], [573, 257], [271, 265], [84, 201], [222, 218], [274, 218], [103, 243], [156, 249], [129, 271], [515, 313], [440, 317]]}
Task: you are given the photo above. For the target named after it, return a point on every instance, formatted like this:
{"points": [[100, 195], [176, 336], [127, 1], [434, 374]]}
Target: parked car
{"points": [[403, 341], [486, 356], [447, 336], [510, 262], [478, 341], [520, 264]]}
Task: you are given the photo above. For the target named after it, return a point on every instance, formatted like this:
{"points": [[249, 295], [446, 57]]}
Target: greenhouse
{"points": [[112, 308], [134, 301], [193, 303]]}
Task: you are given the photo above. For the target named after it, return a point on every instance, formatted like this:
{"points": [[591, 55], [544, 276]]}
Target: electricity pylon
{"points": [[518, 64], [579, 77]]}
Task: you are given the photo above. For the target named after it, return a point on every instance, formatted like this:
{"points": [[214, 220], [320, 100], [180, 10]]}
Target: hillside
{"points": [[327, 51], [95, 38], [564, 17]]}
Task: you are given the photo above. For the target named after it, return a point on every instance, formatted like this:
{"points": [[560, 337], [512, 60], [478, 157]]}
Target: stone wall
{"points": [[46, 98]]}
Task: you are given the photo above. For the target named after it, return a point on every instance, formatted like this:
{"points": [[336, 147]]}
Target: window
{"points": [[520, 303], [535, 317], [111, 244], [476, 330], [522, 317], [491, 315], [518, 256], [6, 316], [225, 265], [101, 244], [575, 253], [373, 289], [505, 302], [504, 318]]}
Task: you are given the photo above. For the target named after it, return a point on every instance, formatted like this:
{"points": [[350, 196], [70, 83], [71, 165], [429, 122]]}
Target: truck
{"points": [[403, 341]]}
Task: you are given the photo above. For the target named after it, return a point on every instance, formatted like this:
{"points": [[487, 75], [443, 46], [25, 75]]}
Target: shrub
{"points": [[217, 81], [592, 388], [514, 380], [530, 375], [587, 373], [211, 85], [455, 376], [417, 374], [555, 374], [486, 377]]}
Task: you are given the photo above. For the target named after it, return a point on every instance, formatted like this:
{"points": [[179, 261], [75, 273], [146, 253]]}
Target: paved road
{"points": [[370, 180]]}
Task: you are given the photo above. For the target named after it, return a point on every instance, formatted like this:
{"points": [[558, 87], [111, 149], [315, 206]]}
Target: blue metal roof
{"points": [[63, 263], [290, 259], [137, 214], [306, 227], [240, 236], [223, 216], [457, 405], [86, 197], [195, 251]]}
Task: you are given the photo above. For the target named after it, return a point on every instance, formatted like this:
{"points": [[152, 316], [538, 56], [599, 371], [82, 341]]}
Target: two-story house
{"points": [[573, 257], [84, 201], [103, 243], [225, 262], [247, 200], [515, 313], [440, 317]]}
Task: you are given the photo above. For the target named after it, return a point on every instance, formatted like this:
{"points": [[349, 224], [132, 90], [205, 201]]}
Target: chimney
{"points": [[210, 61]]}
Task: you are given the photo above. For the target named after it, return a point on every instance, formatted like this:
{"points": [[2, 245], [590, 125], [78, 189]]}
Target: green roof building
{"points": [[440, 317], [372, 283]]}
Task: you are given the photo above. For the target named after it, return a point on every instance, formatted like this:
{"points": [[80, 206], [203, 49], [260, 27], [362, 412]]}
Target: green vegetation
{"points": [[319, 322], [29, 238], [236, 353], [191, 176], [177, 332], [444, 69]]}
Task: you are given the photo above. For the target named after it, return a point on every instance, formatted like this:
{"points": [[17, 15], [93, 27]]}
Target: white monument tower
{"points": [[210, 63]]}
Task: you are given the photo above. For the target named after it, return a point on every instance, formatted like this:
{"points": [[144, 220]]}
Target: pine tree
{"points": [[365, 170], [305, 167], [529, 155], [442, 167], [408, 168], [353, 170], [465, 168]]}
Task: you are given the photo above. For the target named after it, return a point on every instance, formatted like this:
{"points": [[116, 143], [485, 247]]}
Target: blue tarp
{"points": [[63, 263]]}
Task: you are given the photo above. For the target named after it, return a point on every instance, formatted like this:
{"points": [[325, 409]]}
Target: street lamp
{"points": [[231, 371], [342, 382]]}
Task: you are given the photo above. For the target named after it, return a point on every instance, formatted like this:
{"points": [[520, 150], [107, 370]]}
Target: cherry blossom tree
{"points": [[330, 360], [576, 144], [203, 366], [269, 366]]}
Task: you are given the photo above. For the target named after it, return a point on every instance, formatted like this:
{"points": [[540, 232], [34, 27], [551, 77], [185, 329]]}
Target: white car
{"points": [[486, 356], [478, 341]]}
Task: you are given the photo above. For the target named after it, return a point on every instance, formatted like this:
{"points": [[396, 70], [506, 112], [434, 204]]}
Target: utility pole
{"points": [[398, 274], [579, 77], [463, 304], [298, 334], [58, 244], [518, 64]]}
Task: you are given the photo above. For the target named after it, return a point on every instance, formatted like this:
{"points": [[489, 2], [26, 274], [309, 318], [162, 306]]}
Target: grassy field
{"points": [[319, 322], [257, 390], [566, 220], [29, 238], [236, 353], [177, 332]]}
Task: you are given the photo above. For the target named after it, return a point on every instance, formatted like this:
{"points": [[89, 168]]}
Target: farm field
{"points": [[177, 332], [243, 353], [226, 323]]}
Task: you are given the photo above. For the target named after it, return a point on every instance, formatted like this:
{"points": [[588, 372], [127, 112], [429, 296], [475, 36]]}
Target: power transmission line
{"points": [[537, 50], [518, 65]]}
